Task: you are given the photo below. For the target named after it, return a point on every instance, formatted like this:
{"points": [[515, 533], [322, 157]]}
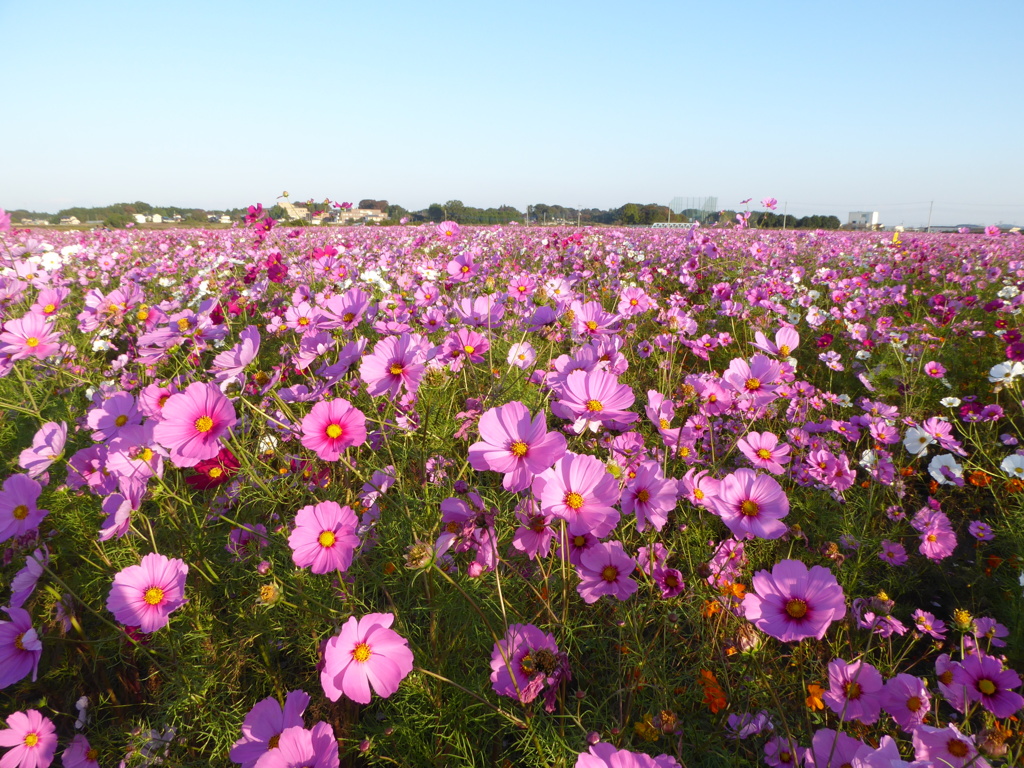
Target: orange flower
{"points": [[711, 607], [714, 696], [814, 700], [907, 471], [978, 479], [1015, 486]]}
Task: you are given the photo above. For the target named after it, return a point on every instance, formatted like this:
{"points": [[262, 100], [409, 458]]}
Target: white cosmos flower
{"points": [[944, 460], [950, 402], [917, 440], [1008, 292], [1013, 465], [1005, 373]]}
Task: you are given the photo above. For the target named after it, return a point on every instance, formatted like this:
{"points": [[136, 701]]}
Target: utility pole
{"points": [[785, 207], [930, 216], [579, 216]]}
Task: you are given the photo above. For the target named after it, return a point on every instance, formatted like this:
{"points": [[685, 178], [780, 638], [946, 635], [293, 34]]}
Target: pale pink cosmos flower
{"points": [[301, 748], [522, 355], [764, 451], [331, 427], [757, 380], [18, 511], [32, 739], [145, 595], [751, 505], [47, 446], [650, 495], [855, 691], [907, 700], [29, 336], [514, 445], [366, 653], [193, 423], [604, 569], [580, 490], [595, 398], [786, 340]]}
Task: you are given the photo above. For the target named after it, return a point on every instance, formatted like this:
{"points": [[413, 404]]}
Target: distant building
{"points": [[225, 219], [140, 218], [156, 218], [351, 215], [863, 220], [70, 221]]}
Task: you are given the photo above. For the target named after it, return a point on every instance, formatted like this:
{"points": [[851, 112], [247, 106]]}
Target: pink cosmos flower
{"points": [[792, 602], [594, 398], [534, 660], [752, 505], [447, 230], [764, 452], [855, 691], [906, 699], [757, 380], [332, 426], [229, 365], [24, 582], [262, 728], [985, 680], [650, 495], [20, 647], [112, 415], [580, 490], [465, 345], [522, 355], [946, 747], [29, 336], [299, 748], [18, 511], [32, 738], [533, 537], [604, 569], [324, 538], [934, 369], [513, 444], [79, 754], [786, 340], [145, 595], [47, 446], [193, 423], [830, 749], [365, 653], [396, 362], [603, 755]]}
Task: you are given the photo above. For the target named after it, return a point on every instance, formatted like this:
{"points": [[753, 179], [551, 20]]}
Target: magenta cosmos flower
{"points": [[396, 362], [752, 505], [299, 748], [324, 538], [764, 452], [18, 511], [581, 491], [193, 422], [32, 739], [946, 747], [20, 648], [533, 658], [79, 754], [144, 595], [47, 447], [792, 603], [604, 570], [29, 336], [856, 691], [331, 427], [985, 680], [650, 496], [366, 653], [262, 728], [513, 444]]}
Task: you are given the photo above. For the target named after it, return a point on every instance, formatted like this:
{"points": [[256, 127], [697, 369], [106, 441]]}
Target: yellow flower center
{"points": [[698, 494], [20, 512], [204, 424], [147, 454], [32, 341], [142, 315], [594, 405], [470, 349], [92, 754], [764, 454], [465, 268], [183, 324], [987, 687], [946, 677], [48, 309], [518, 449], [752, 384], [396, 369], [796, 608], [154, 596], [303, 321], [121, 420], [573, 500], [633, 302], [609, 573], [348, 317], [852, 691], [591, 325], [644, 495], [957, 748], [784, 350], [663, 423], [326, 539], [361, 653], [31, 740], [914, 703], [749, 508], [334, 431], [214, 473], [17, 642]]}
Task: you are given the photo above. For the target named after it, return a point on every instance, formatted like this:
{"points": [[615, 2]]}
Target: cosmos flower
{"points": [[331, 427], [751, 505], [650, 496], [514, 445], [299, 748], [47, 447], [20, 647], [366, 653], [592, 399], [18, 511], [533, 658], [792, 603], [604, 570], [262, 727], [855, 691], [985, 680], [324, 538], [29, 336], [580, 490], [32, 738], [603, 755], [146, 594], [764, 452], [193, 423]]}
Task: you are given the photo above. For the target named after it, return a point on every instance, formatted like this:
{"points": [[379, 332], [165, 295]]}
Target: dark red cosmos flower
{"points": [[213, 472]]}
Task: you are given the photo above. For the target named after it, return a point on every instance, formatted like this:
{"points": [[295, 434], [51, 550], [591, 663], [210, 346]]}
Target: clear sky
{"points": [[828, 106]]}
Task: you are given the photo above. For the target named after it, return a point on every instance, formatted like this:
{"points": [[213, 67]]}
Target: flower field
{"points": [[510, 496]]}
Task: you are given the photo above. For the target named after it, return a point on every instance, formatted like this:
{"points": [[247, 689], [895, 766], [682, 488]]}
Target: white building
{"points": [[863, 220]]}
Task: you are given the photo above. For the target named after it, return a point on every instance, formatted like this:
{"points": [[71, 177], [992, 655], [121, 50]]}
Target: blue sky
{"points": [[827, 106]]}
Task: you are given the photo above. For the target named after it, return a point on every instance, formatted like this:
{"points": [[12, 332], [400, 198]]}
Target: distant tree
{"points": [[630, 214], [435, 212], [374, 205], [455, 210], [117, 220], [276, 212], [196, 215], [396, 212]]}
